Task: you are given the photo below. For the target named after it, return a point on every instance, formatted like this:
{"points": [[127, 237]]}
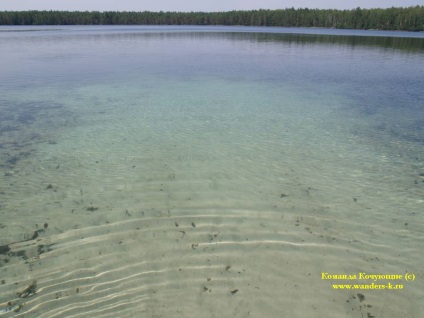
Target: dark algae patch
{"points": [[92, 208], [9, 251], [25, 251], [16, 305], [21, 127], [4, 249], [358, 303], [28, 291]]}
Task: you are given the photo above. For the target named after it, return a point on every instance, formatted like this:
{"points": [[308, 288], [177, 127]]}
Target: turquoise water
{"points": [[205, 172]]}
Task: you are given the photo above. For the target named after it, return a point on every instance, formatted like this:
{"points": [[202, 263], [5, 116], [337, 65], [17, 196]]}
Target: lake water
{"points": [[211, 172]]}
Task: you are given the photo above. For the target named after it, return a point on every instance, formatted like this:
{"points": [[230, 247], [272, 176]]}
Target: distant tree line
{"points": [[406, 19]]}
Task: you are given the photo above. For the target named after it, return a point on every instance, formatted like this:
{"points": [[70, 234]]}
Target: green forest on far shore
{"points": [[405, 19]]}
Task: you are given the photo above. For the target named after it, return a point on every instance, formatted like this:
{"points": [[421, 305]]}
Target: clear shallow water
{"points": [[202, 172]]}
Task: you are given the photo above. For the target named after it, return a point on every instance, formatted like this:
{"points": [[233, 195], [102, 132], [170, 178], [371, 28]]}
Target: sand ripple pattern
{"points": [[183, 263]]}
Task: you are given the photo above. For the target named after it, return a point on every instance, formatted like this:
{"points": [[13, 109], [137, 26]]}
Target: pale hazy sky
{"points": [[196, 5]]}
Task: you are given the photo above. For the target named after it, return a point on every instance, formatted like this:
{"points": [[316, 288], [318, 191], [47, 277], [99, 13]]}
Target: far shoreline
{"points": [[391, 19]]}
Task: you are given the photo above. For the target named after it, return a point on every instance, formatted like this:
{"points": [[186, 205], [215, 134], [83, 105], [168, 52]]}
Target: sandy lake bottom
{"points": [[158, 191]]}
